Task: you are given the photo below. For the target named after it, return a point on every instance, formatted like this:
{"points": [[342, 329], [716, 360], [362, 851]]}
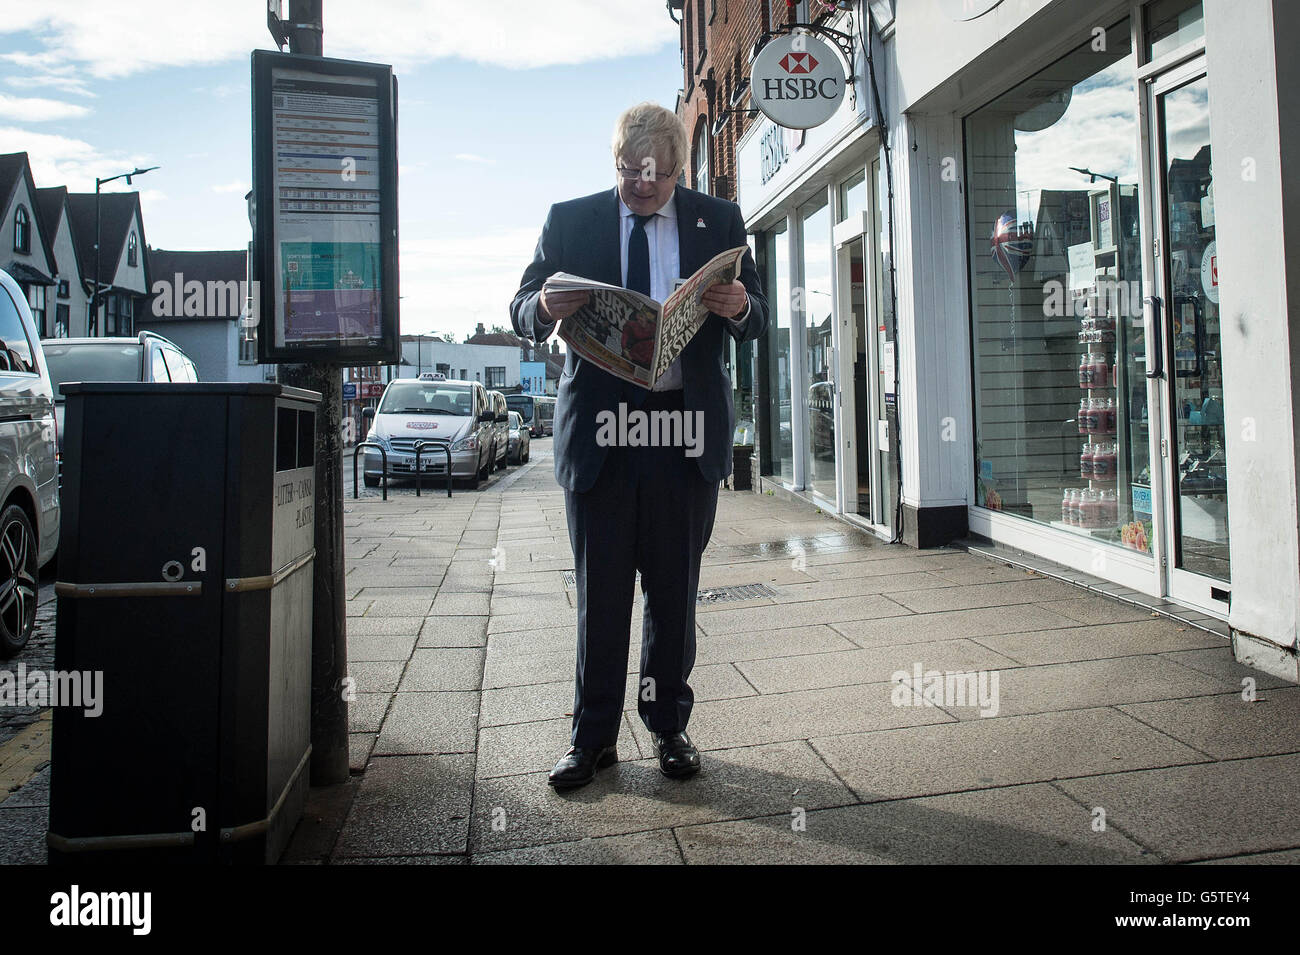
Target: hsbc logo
{"points": [[798, 63], [797, 81]]}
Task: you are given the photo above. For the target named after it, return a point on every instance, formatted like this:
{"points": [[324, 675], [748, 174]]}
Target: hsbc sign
{"points": [[797, 82]]}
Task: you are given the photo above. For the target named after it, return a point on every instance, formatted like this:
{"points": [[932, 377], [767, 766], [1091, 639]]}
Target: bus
{"points": [[538, 412]]}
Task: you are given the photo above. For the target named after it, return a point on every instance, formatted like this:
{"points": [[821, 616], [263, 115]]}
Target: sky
{"points": [[504, 108]]}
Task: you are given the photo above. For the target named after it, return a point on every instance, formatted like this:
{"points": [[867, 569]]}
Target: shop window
{"points": [[779, 436], [496, 376], [853, 196], [1056, 303], [22, 231], [818, 405], [1171, 24]]}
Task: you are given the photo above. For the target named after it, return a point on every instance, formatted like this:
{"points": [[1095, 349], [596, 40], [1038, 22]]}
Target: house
{"points": [[25, 249], [123, 266], [71, 306]]}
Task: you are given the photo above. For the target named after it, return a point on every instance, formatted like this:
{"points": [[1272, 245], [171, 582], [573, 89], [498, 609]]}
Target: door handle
{"points": [[1155, 352]]}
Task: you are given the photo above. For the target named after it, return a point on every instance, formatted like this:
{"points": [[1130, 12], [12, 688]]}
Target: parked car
{"points": [[433, 406], [502, 423], [519, 439], [147, 357], [29, 482]]}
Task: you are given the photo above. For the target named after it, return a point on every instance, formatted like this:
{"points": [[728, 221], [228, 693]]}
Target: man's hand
{"points": [[726, 300], [557, 306]]}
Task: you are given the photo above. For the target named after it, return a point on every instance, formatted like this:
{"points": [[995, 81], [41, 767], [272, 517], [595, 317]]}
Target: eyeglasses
{"points": [[631, 175]]}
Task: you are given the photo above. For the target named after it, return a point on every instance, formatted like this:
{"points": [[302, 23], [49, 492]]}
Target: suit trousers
{"points": [[652, 511]]}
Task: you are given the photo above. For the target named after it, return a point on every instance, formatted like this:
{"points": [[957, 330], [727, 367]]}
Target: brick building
{"points": [[718, 40]]}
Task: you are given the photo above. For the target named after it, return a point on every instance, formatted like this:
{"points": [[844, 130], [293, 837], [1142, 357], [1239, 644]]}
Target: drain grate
{"points": [[738, 592], [712, 596]]}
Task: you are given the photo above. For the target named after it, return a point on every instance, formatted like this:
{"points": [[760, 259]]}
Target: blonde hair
{"points": [[647, 129]]}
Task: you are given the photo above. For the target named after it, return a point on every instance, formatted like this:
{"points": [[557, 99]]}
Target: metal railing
{"points": [[420, 446], [383, 454]]}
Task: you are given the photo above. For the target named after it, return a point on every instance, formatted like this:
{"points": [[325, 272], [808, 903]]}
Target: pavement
{"points": [[1119, 737], [1105, 734]]}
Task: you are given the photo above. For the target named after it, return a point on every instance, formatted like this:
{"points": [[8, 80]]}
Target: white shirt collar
{"points": [[668, 210]]}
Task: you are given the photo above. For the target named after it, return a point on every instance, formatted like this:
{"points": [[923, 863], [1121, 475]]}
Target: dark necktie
{"points": [[638, 256], [638, 278]]}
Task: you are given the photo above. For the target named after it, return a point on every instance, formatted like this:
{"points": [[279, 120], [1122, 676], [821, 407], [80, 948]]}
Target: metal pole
{"points": [[329, 652], [94, 295]]}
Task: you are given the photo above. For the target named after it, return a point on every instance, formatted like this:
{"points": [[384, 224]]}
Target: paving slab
{"points": [[1017, 825], [1160, 635], [1085, 684], [524, 748], [443, 668], [978, 754], [877, 665], [410, 805], [635, 797], [363, 648], [1211, 810], [805, 613], [1229, 727], [429, 723], [951, 625], [956, 597], [366, 712], [639, 848], [383, 626], [772, 718], [455, 631]]}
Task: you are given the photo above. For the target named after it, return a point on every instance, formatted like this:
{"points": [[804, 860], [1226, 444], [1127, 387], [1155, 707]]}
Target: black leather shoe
{"points": [[578, 766], [678, 756]]}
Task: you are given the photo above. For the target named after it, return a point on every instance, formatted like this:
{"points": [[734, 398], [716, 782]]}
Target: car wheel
{"points": [[486, 469], [17, 580]]}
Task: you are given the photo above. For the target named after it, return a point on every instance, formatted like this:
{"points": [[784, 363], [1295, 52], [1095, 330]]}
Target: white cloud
{"points": [[235, 185], [36, 110], [92, 35], [64, 161], [473, 157], [452, 282]]}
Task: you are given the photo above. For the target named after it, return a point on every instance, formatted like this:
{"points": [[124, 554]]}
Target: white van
{"points": [[433, 407]]}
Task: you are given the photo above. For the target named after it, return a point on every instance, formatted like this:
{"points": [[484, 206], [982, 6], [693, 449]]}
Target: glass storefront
{"points": [[1060, 356], [817, 307]]}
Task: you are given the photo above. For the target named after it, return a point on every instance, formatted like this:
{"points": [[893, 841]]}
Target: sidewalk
{"points": [[1119, 736]]}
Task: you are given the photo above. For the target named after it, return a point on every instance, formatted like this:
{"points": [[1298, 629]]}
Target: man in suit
{"points": [[633, 508]]}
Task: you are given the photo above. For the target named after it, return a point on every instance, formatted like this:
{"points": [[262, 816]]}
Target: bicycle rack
{"points": [[383, 455], [419, 475]]}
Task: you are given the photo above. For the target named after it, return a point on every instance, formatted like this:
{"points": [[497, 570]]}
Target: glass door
{"points": [[819, 379], [858, 413], [1190, 378]]}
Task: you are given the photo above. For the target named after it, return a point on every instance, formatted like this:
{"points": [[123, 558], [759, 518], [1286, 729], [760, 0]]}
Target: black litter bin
{"points": [[185, 578]]}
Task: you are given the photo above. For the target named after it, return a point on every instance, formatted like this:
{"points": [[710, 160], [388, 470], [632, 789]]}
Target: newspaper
{"points": [[632, 336]]}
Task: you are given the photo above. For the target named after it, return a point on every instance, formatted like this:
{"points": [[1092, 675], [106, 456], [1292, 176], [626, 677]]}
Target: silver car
{"points": [[433, 407], [29, 508], [501, 422], [519, 439], [147, 357]]}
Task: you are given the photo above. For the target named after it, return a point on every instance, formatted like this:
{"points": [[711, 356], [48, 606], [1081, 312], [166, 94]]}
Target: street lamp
{"points": [[94, 295]]}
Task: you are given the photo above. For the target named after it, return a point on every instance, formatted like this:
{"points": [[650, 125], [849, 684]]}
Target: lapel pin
{"points": [[699, 223]]}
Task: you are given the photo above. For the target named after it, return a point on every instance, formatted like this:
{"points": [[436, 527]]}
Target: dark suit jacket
{"points": [[582, 237]]}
